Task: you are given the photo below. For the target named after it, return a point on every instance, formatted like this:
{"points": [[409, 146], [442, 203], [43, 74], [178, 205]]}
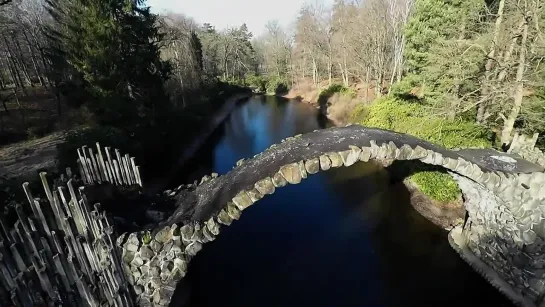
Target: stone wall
{"points": [[525, 147], [508, 253]]}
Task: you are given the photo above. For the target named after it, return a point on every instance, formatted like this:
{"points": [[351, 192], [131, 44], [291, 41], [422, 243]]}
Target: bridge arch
{"points": [[503, 238]]}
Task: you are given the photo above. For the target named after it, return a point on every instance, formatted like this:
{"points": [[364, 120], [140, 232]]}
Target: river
{"points": [[346, 237]]}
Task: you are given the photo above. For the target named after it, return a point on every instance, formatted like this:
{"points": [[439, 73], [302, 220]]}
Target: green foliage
{"points": [[277, 85], [111, 48], [414, 119], [443, 58], [437, 185], [257, 81], [338, 88]]}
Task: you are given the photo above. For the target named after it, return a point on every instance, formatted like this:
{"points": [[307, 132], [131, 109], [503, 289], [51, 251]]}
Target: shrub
{"points": [[338, 88], [414, 119], [277, 86], [256, 81]]}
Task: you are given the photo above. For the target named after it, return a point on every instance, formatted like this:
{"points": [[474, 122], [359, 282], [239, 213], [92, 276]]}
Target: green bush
{"points": [[256, 81], [415, 119], [277, 86], [338, 88]]}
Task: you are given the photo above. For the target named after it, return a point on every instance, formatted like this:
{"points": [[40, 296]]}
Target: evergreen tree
{"points": [[112, 46]]}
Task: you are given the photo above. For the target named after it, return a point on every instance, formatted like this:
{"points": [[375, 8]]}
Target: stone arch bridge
{"points": [[503, 236]]}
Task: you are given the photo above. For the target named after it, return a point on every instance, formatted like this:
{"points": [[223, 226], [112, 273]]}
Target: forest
{"points": [[460, 73]]}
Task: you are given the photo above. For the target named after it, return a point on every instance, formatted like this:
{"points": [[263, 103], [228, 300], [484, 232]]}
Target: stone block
{"points": [[254, 195], [325, 162], [279, 180], [242, 200], [336, 160], [233, 211], [265, 186], [365, 154], [312, 166], [224, 218]]}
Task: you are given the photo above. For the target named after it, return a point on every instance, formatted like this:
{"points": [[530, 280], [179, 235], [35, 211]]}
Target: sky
{"points": [[233, 13]]}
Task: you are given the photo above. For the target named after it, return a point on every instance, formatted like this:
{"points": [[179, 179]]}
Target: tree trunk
{"points": [[485, 89], [15, 71], [509, 53], [519, 89], [314, 72], [21, 61], [34, 61], [367, 81]]}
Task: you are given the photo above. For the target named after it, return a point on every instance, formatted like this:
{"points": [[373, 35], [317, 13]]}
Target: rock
{"points": [[419, 153], [180, 264], [291, 173], [128, 256], [186, 232], [212, 227], [265, 186], [146, 253], [154, 271], [163, 235], [193, 248], [312, 166], [144, 270], [350, 157], [197, 234], [279, 180], [233, 211], [138, 289], [224, 218], [155, 246], [336, 160], [405, 152], [176, 250], [207, 235], [242, 200], [119, 241], [365, 154], [155, 282], [325, 162], [302, 169], [137, 261], [254, 195]]}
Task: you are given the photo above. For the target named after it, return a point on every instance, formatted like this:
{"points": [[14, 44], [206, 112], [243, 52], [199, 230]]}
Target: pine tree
{"points": [[112, 47]]}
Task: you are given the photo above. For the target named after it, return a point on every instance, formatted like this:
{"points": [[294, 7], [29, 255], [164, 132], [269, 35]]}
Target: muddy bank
{"points": [[443, 214], [23, 160]]}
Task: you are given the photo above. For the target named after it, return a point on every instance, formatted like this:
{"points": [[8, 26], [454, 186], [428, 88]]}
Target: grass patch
{"points": [[414, 119], [437, 185]]}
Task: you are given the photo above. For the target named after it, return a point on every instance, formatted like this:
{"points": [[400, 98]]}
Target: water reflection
{"points": [[346, 237]]}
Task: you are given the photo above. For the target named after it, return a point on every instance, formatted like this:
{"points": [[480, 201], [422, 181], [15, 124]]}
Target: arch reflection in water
{"points": [[346, 237]]}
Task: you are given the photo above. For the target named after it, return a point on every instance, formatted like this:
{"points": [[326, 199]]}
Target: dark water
{"points": [[347, 237]]}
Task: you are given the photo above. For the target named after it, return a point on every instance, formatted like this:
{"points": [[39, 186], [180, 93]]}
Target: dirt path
{"points": [[24, 159]]}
